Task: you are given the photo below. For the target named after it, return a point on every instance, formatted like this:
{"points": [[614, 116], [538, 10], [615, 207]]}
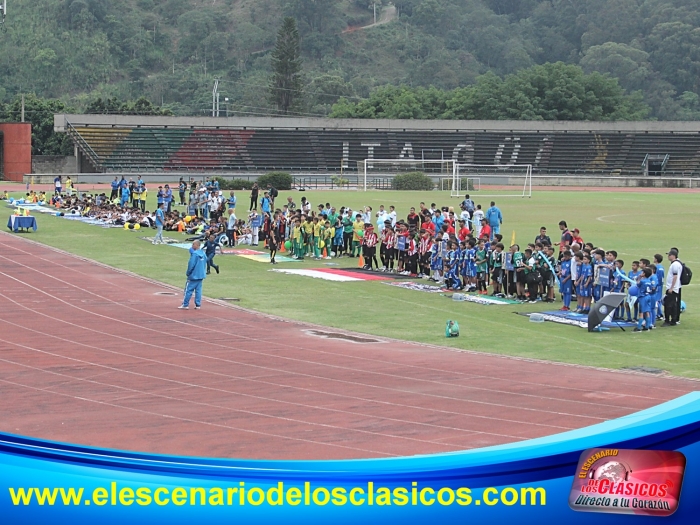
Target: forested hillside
{"points": [[170, 51]]}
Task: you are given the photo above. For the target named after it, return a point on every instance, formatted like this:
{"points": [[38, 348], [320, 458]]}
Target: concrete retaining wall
{"points": [[321, 180], [53, 164]]}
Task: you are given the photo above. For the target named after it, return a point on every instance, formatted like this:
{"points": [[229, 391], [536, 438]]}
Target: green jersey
{"points": [[481, 256], [496, 259], [518, 260], [347, 225]]}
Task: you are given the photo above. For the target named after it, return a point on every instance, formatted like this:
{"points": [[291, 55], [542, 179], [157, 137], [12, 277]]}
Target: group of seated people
{"points": [[111, 213]]}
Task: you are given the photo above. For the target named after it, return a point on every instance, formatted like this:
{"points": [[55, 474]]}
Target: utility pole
{"points": [[226, 102], [375, 11], [22, 108], [214, 98]]}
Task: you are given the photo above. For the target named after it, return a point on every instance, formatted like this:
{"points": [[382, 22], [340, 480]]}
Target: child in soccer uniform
{"points": [[273, 240], [543, 268], [450, 267], [607, 284], [298, 240], [471, 264], [618, 286], [565, 284], [518, 261], [597, 264], [412, 255], [553, 267], [386, 250], [338, 238], [481, 267], [308, 236], [436, 259], [402, 241], [463, 249], [660, 276], [646, 291], [317, 236], [634, 274], [369, 247], [585, 281], [655, 285], [424, 248], [358, 230], [328, 234], [496, 260]]}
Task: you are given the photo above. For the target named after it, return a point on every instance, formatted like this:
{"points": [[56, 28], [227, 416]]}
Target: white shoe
{"points": [[183, 307], [328, 258], [197, 307]]}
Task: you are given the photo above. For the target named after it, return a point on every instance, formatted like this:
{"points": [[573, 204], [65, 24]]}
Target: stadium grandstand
{"points": [[117, 144]]}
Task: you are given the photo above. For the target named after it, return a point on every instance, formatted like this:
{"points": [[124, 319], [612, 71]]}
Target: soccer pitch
{"points": [[635, 224]]}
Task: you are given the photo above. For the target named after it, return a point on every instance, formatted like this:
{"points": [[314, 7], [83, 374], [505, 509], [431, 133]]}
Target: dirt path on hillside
{"points": [[387, 14]]}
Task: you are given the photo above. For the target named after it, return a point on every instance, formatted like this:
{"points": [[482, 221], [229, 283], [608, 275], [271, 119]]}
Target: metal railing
{"points": [[84, 146]]}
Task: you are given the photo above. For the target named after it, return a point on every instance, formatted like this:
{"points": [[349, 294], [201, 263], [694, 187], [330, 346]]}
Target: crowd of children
{"points": [[458, 250], [458, 253]]}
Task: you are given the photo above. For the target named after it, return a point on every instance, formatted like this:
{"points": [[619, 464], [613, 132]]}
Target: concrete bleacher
{"points": [[155, 144]]}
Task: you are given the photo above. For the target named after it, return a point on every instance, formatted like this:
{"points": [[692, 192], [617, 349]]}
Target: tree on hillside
{"points": [[315, 15], [286, 81], [113, 106], [548, 92]]}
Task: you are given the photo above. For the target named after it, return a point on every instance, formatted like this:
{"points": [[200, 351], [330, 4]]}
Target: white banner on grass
{"points": [[319, 275]]}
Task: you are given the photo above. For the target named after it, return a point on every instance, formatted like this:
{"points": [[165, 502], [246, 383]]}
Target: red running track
{"points": [[95, 356]]}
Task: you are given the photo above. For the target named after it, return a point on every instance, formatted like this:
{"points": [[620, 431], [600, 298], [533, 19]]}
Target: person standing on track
{"points": [[196, 273]]}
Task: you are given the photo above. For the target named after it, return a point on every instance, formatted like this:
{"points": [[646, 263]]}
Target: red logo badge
{"points": [[617, 481]]}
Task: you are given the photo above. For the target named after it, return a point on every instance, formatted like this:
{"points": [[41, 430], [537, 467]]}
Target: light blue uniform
{"points": [[196, 273]]}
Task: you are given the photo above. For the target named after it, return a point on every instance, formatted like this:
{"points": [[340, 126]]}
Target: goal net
{"points": [[378, 173], [491, 180]]}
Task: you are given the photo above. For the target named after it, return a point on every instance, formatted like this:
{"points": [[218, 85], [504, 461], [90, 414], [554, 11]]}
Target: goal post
{"points": [[486, 180], [378, 173]]}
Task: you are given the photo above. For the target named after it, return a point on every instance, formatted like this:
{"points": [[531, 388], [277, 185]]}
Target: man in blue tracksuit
{"points": [[196, 273], [494, 218], [115, 189]]}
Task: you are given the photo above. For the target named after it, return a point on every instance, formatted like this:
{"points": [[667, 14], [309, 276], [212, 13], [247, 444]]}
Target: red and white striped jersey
{"points": [[389, 238], [370, 239], [425, 245]]}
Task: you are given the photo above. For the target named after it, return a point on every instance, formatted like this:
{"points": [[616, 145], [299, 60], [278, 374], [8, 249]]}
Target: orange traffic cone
{"points": [[282, 248], [325, 252], [361, 261]]}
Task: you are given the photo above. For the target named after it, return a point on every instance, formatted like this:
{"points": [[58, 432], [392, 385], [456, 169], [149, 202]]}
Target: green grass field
{"points": [[635, 224]]}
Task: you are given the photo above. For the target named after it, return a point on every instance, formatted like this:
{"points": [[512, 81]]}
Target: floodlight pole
{"points": [[214, 98]]}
